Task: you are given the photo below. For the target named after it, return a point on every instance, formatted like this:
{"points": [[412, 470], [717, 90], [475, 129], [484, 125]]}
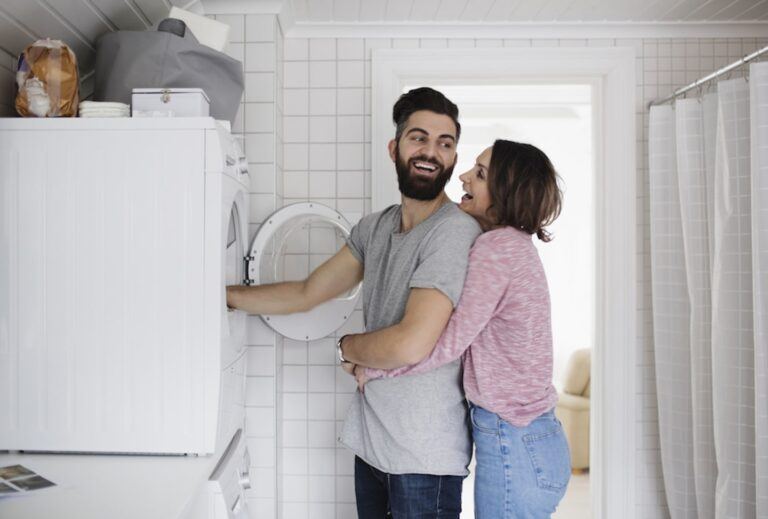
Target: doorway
{"points": [[609, 75]]}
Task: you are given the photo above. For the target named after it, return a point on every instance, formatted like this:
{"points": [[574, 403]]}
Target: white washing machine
{"points": [[117, 239]]}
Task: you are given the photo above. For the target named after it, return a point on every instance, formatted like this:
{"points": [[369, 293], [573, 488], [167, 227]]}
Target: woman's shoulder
{"points": [[504, 238]]}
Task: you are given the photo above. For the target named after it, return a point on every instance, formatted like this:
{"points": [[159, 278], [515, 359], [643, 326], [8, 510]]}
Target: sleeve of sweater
{"points": [[487, 281]]}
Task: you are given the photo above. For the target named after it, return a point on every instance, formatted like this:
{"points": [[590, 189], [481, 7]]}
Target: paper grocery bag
{"points": [[47, 80]]}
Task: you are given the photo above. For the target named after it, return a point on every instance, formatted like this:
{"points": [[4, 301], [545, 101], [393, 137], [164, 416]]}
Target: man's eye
{"points": [[447, 145]]}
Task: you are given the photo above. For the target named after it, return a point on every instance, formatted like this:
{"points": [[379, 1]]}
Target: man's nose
{"points": [[430, 149]]}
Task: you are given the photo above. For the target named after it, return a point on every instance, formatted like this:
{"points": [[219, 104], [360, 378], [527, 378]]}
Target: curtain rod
{"points": [[743, 61]]}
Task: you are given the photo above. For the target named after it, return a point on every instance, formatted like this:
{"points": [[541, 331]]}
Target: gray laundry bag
{"points": [[147, 59]]}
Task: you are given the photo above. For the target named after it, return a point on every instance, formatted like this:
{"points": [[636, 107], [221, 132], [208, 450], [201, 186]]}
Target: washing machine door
{"points": [[293, 242]]}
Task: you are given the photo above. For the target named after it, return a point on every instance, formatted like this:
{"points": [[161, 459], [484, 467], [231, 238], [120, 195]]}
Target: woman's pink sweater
{"points": [[502, 327]]}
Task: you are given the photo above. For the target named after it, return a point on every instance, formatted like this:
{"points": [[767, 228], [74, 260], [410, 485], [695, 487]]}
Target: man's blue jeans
{"points": [[522, 472], [405, 496]]}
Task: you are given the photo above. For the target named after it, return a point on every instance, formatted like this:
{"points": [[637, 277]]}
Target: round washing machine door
{"points": [[293, 242]]}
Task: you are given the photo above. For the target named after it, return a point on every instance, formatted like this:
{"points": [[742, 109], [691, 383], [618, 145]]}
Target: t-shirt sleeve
{"points": [[488, 280], [443, 261], [358, 238]]}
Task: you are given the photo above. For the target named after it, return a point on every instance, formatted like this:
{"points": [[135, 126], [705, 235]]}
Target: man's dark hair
{"points": [[423, 98]]}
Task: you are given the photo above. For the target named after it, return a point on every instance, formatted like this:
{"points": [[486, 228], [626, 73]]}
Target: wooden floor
{"points": [[576, 503]]}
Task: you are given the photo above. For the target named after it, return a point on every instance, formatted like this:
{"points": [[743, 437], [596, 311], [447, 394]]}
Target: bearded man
{"points": [[409, 434]]}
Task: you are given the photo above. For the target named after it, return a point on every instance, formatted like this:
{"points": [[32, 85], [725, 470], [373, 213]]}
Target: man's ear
{"points": [[392, 147]]}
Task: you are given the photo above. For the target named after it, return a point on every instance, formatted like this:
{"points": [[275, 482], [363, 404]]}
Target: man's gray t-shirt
{"points": [[411, 424]]}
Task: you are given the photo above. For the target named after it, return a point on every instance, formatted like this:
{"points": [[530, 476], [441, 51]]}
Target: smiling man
{"points": [[409, 434]]}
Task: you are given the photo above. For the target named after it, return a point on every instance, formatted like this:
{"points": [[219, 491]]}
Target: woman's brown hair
{"points": [[524, 189]]}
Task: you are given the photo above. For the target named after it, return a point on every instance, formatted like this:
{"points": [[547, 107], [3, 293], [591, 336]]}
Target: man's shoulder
{"points": [[385, 214], [455, 220], [375, 223]]}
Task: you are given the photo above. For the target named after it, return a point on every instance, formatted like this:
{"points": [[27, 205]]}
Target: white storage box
{"points": [[170, 102]]}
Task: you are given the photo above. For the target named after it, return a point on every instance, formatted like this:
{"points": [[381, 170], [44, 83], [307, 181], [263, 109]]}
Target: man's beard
{"points": [[417, 187]]}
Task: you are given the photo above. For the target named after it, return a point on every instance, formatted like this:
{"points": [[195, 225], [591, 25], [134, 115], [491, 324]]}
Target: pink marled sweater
{"points": [[502, 326]]}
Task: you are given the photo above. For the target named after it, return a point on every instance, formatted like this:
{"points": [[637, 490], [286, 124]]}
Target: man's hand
{"points": [[348, 367], [360, 377]]}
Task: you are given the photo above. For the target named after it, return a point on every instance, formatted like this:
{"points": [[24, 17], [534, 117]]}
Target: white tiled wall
{"points": [[256, 40], [325, 147], [306, 118]]}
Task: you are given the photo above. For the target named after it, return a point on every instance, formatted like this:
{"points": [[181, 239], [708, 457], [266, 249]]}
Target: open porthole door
{"points": [[290, 244]]}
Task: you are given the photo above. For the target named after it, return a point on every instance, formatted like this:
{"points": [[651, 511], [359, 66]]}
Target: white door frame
{"points": [[611, 71]]}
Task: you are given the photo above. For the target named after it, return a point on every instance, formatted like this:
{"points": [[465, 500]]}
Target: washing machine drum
{"points": [[290, 244]]}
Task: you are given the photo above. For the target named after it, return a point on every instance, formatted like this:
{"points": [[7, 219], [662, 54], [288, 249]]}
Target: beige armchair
{"points": [[573, 407]]}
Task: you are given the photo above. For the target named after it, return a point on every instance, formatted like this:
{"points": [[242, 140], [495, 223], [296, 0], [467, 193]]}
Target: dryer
{"points": [[117, 239]]}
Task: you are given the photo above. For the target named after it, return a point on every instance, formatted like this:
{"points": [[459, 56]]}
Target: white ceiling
{"points": [[519, 11]]}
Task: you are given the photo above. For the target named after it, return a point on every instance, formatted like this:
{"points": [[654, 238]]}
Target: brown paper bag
{"points": [[47, 80]]}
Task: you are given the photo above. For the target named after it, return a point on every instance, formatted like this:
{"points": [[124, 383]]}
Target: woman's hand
{"points": [[361, 378], [358, 372]]}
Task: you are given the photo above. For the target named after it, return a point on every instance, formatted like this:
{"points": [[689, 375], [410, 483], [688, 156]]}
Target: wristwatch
{"points": [[342, 360]]}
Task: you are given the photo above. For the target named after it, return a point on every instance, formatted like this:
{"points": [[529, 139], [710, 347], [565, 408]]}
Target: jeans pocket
{"points": [[550, 458], [484, 421]]}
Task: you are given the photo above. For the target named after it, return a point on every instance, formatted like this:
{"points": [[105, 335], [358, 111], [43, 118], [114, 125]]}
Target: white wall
{"points": [[319, 90], [256, 40]]}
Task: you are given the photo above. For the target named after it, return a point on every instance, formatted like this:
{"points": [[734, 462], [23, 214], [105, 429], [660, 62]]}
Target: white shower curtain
{"points": [[708, 162]]}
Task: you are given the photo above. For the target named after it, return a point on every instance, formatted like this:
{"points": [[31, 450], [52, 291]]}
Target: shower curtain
{"points": [[708, 160]]}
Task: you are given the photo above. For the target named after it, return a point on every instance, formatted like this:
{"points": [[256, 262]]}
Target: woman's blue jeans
{"points": [[522, 472]]}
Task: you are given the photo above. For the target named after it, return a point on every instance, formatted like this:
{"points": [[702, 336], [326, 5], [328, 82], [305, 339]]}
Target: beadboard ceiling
{"points": [[520, 11], [77, 22], [80, 22]]}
